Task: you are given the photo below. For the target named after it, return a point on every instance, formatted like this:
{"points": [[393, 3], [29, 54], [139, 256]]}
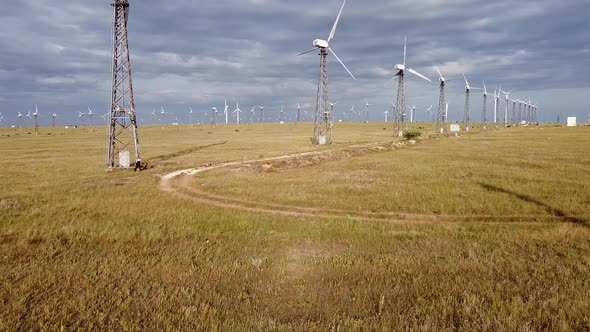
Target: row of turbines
{"points": [[324, 108]]}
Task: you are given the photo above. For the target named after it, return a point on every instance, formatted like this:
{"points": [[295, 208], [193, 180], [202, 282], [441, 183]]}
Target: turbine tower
{"points": [[507, 94], [122, 117], [366, 110], [496, 106], [36, 114], [400, 107], [484, 111], [54, 116], [441, 117], [322, 133], [20, 120], [237, 112], [467, 114], [298, 113]]}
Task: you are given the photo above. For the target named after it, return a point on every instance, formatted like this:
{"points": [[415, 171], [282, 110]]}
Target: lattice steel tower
{"points": [[400, 125], [322, 133], [122, 117], [442, 105]]}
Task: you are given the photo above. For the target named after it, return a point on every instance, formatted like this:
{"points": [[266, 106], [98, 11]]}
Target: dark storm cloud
{"points": [[189, 53]]}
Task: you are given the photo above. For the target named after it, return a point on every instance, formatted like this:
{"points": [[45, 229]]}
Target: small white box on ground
{"points": [[124, 159], [455, 128], [572, 122], [322, 140]]}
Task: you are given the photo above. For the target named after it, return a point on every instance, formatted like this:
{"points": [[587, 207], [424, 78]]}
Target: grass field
{"points": [[495, 233]]}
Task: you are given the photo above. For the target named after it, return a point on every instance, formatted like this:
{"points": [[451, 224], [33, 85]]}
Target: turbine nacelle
{"points": [[320, 43], [400, 67]]}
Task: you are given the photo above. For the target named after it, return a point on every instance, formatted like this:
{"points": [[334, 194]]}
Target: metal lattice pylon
{"points": [[484, 112], [467, 113], [122, 116], [322, 133], [400, 107], [442, 107]]}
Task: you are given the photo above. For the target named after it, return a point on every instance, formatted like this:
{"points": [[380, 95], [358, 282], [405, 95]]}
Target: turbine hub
{"points": [[321, 43]]}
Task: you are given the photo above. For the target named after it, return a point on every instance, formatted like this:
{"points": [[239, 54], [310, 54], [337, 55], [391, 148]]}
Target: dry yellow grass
{"points": [[83, 249]]}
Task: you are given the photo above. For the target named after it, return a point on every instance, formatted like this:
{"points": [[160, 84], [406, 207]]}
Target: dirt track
{"points": [[178, 184]]}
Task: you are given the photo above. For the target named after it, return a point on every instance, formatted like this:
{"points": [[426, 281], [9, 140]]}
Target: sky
{"points": [[198, 53]]}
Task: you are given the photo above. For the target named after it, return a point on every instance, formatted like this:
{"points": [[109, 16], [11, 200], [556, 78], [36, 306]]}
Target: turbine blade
{"points": [[465, 78], [405, 48], [342, 63], [419, 75], [336, 23], [313, 49], [485, 89], [438, 71]]}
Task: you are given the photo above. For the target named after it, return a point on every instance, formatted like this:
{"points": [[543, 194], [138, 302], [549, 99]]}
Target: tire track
{"points": [[178, 183]]}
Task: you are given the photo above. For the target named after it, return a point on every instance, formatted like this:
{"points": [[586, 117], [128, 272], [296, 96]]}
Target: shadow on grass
{"points": [[554, 211]]}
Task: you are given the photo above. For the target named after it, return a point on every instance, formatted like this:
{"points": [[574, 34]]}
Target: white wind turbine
{"points": [[226, 113], [412, 111], [1, 119], [237, 112], [90, 116], [484, 111], [190, 115], [351, 113], [400, 107], [54, 116], [261, 115], [443, 107], [496, 106], [428, 111], [366, 110], [81, 118], [467, 114], [214, 116], [298, 120], [253, 115], [323, 121], [36, 114], [30, 118], [507, 94], [282, 116], [20, 120]]}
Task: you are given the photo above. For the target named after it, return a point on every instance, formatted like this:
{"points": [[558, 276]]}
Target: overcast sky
{"points": [[196, 53]]}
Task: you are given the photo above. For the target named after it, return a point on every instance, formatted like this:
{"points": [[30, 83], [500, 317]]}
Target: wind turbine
{"points": [[400, 107], [213, 116], [412, 111], [20, 120], [298, 113], [443, 107], [237, 112], [367, 110], [253, 115], [36, 114], [261, 115], [323, 121], [29, 116], [428, 111], [506, 109], [190, 115], [1, 119], [484, 112], [282, 116], [54, 116], [352, 112], [496, 106], [90, 117], [467, 114], [81, 117], [226, 113]]}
